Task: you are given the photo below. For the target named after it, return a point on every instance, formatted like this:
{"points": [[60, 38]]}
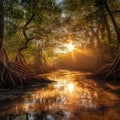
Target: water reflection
{"points": [[70, 87], [69, 96]]}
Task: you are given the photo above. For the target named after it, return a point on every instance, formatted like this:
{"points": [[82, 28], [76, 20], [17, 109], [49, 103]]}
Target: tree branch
{"points": [[116, 11]]}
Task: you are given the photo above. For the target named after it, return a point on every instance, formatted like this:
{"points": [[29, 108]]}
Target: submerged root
{"points": [[15, 75]]}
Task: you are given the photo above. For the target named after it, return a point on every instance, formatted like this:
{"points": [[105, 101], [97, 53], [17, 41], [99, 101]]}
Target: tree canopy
{"points": [[37, 31]]}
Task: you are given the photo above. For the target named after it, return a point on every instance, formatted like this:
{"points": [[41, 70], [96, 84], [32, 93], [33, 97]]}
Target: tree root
{"points": [[108, 72], [19, 59], [15, 75]]}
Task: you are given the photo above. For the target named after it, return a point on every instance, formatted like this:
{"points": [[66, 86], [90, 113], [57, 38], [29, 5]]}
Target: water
{"points": [[71, 97]]}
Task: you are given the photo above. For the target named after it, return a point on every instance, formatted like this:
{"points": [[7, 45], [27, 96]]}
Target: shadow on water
{"points": [[10, 96], [71, 97], [112, 86]]}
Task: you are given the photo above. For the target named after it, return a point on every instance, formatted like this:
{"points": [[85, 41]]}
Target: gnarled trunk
{"points": [[111, 70], [19, 59], [12, 74]]}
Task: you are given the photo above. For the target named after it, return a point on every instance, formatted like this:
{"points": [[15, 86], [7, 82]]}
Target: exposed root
{"points": [[15, 76], [19, 59], [108, 71]]}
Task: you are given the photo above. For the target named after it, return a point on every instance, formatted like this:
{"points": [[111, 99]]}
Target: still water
{"points": [[71, 97]]}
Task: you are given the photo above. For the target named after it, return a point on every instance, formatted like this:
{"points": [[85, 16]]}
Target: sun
{"points": [[70, 47]]}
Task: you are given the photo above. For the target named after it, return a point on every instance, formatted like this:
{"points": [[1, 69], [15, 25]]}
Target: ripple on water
{"points": [[71, 97]]}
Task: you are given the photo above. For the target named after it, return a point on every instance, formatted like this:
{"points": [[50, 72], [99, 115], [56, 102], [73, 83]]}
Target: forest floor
{"points": [[71, 97]]}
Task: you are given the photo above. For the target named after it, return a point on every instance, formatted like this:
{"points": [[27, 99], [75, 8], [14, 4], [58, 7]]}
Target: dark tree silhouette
{"points": [[111, 70]]}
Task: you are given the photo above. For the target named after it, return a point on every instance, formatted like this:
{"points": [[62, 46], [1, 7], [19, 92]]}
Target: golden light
{"points": [[70, 47], [70, 87]]}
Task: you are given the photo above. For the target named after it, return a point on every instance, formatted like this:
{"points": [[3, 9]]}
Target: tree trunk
{"points": [[1, 32], [108, 29], [13, 75], [4, 60], [111, 70], [113, 21], [19, 59]]}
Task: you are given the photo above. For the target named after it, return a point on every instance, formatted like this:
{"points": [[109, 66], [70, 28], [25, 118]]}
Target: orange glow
{"points": [[70, 47], [70, 87]]}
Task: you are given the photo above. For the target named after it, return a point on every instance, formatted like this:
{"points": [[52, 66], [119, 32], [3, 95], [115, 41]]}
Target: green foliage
{"points": [[85, 22]]}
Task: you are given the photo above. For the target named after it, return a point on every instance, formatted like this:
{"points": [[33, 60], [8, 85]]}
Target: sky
{"points": [[58, 1]]}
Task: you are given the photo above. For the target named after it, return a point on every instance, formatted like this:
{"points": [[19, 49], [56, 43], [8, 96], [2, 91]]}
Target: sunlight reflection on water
{"points": [[63, 95], [71, 94]]}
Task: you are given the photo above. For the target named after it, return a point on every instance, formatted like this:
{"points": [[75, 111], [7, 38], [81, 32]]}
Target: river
{"points": [[71, 97]]}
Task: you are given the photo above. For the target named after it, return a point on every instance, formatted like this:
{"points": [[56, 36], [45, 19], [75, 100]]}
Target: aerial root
{"points": [[108, 71], [15, 75]]}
